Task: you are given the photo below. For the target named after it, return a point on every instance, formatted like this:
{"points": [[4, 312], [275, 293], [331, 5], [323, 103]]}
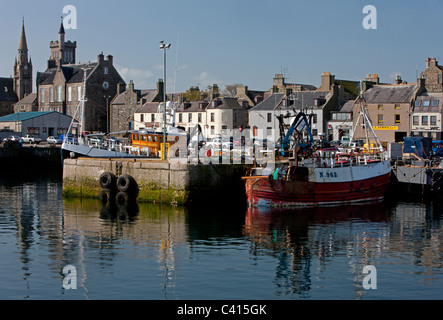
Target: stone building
{"points": [[7, 96], [191, 113], [317, 104], [128, 102], [61, 89], [427, 116], [389, 108], [433, 76]]}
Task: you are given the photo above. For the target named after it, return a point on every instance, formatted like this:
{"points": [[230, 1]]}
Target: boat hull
{"points": [[88, 151], [321, 186]]}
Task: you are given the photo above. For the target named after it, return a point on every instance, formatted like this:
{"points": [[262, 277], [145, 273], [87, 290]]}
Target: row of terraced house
{"points": [[396, 109]]}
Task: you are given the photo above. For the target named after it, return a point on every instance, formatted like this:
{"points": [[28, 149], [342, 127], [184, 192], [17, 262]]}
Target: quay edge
{"points": [[160, 181]]}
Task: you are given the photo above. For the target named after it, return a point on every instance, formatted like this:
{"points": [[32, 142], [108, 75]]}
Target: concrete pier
{"points": [[160, 181]]}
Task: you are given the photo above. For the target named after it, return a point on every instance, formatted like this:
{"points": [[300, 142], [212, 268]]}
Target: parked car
{"points": [[14, 138], [31, 139], [54, 140], [95, 139], [112, 139]]}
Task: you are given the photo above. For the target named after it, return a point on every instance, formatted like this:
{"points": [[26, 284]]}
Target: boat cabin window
{"points": [[142, 138]]}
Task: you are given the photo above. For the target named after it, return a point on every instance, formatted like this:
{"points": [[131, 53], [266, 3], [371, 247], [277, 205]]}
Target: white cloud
{"points": [[204, 79], [141, 78]]}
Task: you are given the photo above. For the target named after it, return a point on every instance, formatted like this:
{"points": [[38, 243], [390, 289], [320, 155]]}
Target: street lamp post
{"points": [[107, 113], [164, 47]]}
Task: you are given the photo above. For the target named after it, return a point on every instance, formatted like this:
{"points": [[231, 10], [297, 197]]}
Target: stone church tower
{"points": [[23, 68]]}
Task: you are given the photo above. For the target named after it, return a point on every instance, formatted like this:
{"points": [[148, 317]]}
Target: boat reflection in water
{"points": [[306, 242]]}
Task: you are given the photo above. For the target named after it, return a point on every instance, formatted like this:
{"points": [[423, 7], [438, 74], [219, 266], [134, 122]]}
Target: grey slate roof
{"points": [[29, 99], [390, 93], [193, 106], [149, 107], [149, 95], [269, 103], [72, 73], [227, 103], [348, 106], [305, 99], [429, 103], [7, 90]]}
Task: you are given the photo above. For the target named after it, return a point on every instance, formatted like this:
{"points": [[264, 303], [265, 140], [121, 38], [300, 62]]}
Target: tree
{"points": [[231, 90]]}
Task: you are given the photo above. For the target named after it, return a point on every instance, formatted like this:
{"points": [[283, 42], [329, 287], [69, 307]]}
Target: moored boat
{"points": [[312, 175]]}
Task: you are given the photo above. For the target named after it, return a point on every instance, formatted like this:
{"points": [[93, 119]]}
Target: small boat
{"points": [[313, 175], [145, 143]]}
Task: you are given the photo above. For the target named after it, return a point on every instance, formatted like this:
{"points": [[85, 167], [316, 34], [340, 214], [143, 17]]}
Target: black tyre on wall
{"points": [[108, 180]]}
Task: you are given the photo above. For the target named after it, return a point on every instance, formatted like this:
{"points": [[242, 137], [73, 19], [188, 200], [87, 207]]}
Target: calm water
{"points": [[163, 253]]}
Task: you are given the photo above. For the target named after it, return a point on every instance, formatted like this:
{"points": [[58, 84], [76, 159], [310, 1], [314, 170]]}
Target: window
{"points": [[380, 107], [397, 119], [234, 117], [69, 93], [59, 94], [314, 119], [426, 103], [142, 118], [435, 103], [397, 106], [439, 78], [33, 130], [180, 117], [415, 120], [189, 117], [417, 103], [433, 120], [79, 93], [424, 120], [42, 95], [51, 94], [212, 116], [212, 130], [269, 117], [106, 70], [199, 117], [6, 89], [314, 132], [380, 119], [152, 117]]}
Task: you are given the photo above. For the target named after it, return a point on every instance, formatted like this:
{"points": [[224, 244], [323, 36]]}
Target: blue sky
{"points": [[233, 41]]}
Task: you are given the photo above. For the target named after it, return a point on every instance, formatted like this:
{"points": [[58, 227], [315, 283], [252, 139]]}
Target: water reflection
{"points": [[151, 251]]}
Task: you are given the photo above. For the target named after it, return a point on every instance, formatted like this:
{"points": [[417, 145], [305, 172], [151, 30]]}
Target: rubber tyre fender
{"points": [[122, 199], [436, 186], [125, 183], [105, 197], [108, 180], [437, 176]]}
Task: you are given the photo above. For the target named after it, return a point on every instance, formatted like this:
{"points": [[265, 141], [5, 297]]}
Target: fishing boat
{"points": [[310, 174]]}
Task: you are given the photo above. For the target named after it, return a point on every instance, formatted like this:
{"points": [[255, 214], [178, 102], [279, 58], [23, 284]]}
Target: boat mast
{"points": [[85, 70]]}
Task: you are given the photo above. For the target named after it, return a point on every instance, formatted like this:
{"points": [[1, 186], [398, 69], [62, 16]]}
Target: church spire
{"points": [[62, 28], [23, 44]]}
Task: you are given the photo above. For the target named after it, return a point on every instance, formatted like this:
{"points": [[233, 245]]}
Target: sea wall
{"points": [[159, 181], [23, 160]]}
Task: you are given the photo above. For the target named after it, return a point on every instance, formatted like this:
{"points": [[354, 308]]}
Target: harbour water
{"points": [[155, 252]]}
